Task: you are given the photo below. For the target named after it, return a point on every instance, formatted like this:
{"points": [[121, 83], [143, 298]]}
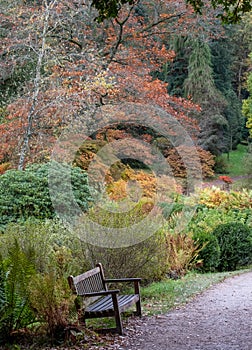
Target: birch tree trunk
{"points": [[48, 6]]}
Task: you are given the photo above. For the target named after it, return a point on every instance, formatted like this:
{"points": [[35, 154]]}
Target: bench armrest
{"points": [[101, 293], [136, 282], [117, 280]]}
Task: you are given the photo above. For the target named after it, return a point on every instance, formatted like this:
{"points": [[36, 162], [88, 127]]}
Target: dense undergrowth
{"points": [[37, 256]]}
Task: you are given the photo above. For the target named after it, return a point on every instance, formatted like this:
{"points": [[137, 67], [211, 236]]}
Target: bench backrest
{"points": [[88, 282]]}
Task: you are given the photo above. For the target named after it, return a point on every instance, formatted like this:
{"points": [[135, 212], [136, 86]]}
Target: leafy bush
{"points": [[139, 183], [169, 209], [143, 182], [221, 165], [235, 241], [145, 259], [25, 194], [51, 243], [207, 219], [209, 253]]}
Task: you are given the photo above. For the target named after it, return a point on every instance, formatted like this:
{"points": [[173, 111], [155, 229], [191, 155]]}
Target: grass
{"points": [[161, 297], [236, 161]]}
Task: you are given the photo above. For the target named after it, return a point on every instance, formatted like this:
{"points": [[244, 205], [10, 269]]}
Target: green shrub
{"points": [[235, 241], [210, 252], [169, 208], [207, 219], [25, 194], [51, 243], [145, 259], [121, 253], [221, 165]]}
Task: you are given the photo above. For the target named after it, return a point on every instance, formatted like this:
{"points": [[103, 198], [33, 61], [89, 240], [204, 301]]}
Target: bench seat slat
{"points": [[127, 301], [106, 303]]}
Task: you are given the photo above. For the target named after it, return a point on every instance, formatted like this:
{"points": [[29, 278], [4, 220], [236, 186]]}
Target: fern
{"points": [[15, 311]]}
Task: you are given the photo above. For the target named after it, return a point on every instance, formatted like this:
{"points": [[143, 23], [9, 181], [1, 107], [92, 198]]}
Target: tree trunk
{"points": [[37, 84]]}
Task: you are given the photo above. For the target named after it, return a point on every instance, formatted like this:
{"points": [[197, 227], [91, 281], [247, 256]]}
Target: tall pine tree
{"points": [[200, 87], [223, 56]]}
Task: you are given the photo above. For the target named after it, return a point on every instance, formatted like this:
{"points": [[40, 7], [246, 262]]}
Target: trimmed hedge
{"points": [[235, 241], [210, 252]]}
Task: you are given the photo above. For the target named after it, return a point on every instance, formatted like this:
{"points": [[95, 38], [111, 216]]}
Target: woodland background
{"points": [[59, 63]]}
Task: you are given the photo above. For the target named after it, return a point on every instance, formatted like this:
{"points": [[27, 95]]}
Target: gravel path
{"points": [[218, 319]]}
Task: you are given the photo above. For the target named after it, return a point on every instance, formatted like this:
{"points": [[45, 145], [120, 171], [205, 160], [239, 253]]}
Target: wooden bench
{"points": [[104, 302]]}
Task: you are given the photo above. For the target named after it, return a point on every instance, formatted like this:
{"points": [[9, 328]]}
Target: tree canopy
{"points": [[229, 11]]}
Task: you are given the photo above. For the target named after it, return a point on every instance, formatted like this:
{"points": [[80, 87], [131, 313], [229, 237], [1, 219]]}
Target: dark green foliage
{"points": [[210, 252], [221, 165], [200, 85], [109, 8], [212, 131], [200, 81], [176, 71], [205, 72], [25, 194], [192, 73], [235, 120], [15, 311], [223, 56], [231, 9], [170, 208], [222, 59], [235, 241]]}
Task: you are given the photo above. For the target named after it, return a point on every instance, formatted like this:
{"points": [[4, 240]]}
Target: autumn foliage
{"points": [[226, 179], [218, 198], [136, 185], [87, 65], [177, 162]]}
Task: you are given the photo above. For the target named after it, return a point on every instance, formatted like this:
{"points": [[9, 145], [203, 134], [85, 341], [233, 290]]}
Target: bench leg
{"points": [[118, 319], [138, 303], [138, 308], [81, 318]]}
